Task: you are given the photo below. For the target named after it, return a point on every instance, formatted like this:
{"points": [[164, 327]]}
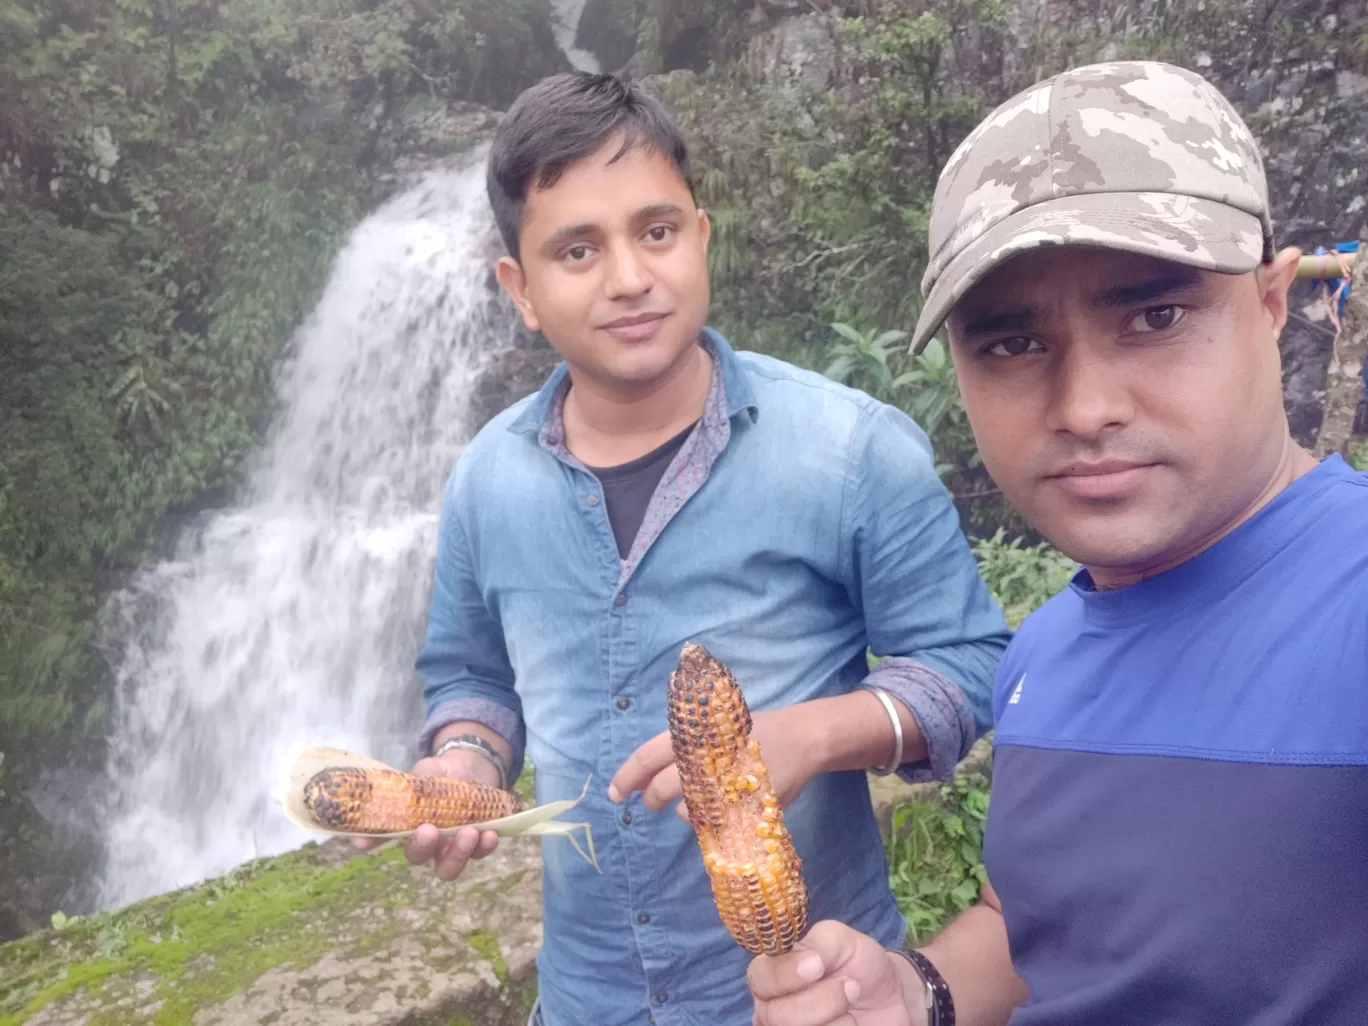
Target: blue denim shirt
{"points": [[801, 522]]}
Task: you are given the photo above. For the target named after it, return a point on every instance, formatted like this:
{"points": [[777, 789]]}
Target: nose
{"points": [[1090, 393], [628, 275]]}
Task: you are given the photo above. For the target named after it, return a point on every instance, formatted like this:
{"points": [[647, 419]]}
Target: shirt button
{"points": [[660, 998], [621, 600], [623, 703], [627, 817], [643, 917], [591, 500]]}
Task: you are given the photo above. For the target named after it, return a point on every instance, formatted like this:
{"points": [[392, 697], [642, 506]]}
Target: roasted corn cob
{"points": [[383, 801], [756, 875]]}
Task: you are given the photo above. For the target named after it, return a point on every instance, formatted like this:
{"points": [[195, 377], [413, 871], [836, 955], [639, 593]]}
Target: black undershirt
{"points": [[628, 487]]}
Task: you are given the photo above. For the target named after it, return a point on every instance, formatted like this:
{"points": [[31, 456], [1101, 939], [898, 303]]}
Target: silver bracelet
{"points": [[883, 771], [475, 743]]}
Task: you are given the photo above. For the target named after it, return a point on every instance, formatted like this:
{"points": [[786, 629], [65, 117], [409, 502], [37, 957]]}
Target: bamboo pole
{"points": [[1325, 265], [1344, 376]]}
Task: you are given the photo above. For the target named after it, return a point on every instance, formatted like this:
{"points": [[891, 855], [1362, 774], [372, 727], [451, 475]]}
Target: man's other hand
{"points": [[448, 854], [835, 976], [789, 744]]}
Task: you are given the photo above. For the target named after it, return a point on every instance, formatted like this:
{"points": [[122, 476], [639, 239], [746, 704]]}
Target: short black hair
{"points": [[565, 118]]}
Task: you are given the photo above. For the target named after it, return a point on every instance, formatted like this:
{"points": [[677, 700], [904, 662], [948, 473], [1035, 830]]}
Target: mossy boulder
{"points": [[323, 936]]}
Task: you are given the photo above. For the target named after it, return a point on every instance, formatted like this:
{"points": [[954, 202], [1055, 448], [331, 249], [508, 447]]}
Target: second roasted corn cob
{"points": [[755, 872]]}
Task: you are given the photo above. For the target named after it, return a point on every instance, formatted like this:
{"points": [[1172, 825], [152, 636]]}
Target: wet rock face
{"points": [[800, 47], [1311, 114], [608, 29]]}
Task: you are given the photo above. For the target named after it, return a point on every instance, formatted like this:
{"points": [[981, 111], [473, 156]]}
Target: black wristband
{"points": [[940, 1009]]}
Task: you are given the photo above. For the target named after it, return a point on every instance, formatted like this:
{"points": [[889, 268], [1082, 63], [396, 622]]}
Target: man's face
{"points": [[613, 268], [1129, 407]]}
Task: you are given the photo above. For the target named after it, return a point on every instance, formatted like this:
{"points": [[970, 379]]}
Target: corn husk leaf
{"points": [[538, 820]]}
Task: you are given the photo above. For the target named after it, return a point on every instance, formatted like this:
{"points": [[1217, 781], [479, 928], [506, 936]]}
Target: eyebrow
{"points": [[574, 232], [1176, 280], [1016, 319], [570, 233], [656, 210], [1024, 318]]}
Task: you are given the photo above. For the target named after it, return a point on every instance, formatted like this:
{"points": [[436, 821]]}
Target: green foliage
{"points": [[1358, 453], [175, 177], [1020, 576], [923, 386], [935, 854], [935, 848], [178, 175], [819, 201]]}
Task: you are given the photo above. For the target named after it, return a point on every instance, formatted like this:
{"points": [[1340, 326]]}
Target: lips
{"points": [[1102, 479], [636, 328]]}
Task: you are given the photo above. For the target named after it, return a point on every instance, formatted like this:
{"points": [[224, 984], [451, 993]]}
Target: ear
{"points": [[514, 282], [1274, 279], [704, 227]]}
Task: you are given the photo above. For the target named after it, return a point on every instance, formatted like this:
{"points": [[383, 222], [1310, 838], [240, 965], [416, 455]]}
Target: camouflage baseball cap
{"points": [[1133, 155]]}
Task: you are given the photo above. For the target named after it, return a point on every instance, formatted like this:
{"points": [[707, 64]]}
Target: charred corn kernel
{"points": [[375, 801], [755, 873]]}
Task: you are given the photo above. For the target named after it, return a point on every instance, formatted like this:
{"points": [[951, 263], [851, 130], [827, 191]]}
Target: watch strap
{"points": [[475, 743], [940, 1006]]}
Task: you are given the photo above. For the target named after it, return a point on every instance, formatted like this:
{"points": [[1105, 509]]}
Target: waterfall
{"points": [[297, 613], [565, 18]]}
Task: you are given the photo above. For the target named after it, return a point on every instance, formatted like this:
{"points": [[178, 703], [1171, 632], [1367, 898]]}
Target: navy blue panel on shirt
{"points": [[1179, 824]]}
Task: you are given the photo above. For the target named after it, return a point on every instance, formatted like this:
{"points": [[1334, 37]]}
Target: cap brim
{"points": [[1200, 233]]}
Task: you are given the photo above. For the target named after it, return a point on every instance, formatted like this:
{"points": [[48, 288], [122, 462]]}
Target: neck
{"points": [[606, 425], [1293, 462]]}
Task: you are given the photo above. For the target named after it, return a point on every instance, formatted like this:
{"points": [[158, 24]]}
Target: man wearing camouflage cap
{"points": [[1180, 800]]}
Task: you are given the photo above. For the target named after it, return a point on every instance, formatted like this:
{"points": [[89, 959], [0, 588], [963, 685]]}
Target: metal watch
{"points": [[475, 743]]}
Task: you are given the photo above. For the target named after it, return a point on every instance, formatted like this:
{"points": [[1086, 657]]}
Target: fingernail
{"points": [[810, 968], [613, 793], [852, 991]]}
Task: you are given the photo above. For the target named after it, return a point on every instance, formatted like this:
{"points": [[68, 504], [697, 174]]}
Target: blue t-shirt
{"points": [[1179, 824]]}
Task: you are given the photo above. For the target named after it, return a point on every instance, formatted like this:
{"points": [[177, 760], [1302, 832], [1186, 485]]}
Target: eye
{"points": [[577, 253], [1158, 318], [659, 232], [1017, 345]]}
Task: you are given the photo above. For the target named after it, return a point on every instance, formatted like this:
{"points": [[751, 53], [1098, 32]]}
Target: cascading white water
{"points": [[297, 613], [565, 23]]}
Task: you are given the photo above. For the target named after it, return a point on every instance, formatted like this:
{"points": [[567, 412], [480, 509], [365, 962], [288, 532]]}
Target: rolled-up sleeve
{"points": [[912, 575], [464, 663]]}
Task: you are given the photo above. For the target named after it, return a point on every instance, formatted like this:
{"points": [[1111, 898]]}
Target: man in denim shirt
{"points": [[662, 488]]}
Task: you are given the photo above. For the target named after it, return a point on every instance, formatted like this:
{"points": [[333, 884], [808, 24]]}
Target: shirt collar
{"points": [[729, 385]]}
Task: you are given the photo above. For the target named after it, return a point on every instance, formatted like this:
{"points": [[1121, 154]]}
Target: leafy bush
{"points": [[935, 848], [1358, 451], [1020, 576], [935, 854]]}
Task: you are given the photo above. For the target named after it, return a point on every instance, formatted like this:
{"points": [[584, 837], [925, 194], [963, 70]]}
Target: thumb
{"points": [[829, 949], [836, 944]]}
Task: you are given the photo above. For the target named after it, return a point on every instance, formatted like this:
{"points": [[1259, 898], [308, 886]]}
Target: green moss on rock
{"points": [[322, 927], [487, 944], [206, 943]]}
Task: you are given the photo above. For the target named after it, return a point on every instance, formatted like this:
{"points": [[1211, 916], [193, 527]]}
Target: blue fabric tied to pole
{"points": [[1331, 284]]}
